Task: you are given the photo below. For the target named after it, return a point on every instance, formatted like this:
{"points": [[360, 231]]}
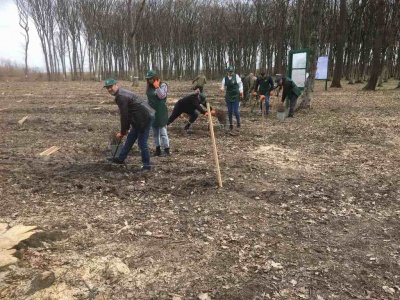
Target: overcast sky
{"points": [[13, 42]]}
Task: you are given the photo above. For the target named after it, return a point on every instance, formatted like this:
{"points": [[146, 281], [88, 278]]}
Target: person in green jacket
{"points": [[290, 92], [199, 82], [263, 88], [233, 87], [157, 97]]}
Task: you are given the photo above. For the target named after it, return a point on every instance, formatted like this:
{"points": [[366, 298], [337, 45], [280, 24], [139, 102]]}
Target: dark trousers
{"points": [[201, 89], [246, 95], [142, 138], [177, 112], [292, 105]]}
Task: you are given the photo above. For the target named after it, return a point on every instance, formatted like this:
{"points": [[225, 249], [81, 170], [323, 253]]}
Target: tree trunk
{"points": [[23, 23], [297, 43], [314, 39], [337, 75], [134, 58], [377, 46]]}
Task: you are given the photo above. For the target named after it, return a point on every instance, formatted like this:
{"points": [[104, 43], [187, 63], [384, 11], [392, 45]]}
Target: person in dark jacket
{"points": [[190, 105], [290, 92], [136, 113], [263, 87], [157, 96]]}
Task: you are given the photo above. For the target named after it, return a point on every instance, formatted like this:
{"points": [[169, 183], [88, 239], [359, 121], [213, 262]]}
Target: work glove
{"points": [[119, 135], [156, 83], [254, 93], [241, 94], [221, 90], [262, 97], [271, 93], [213, 112]]}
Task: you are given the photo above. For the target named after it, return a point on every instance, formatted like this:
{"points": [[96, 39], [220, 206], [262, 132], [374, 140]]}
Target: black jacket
{"points": [[190, 103], [290, 89], [134, 111], [266, 85]]}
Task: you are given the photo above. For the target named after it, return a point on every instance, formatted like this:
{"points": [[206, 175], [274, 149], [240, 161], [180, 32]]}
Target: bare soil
{"points": [[309, 208]]}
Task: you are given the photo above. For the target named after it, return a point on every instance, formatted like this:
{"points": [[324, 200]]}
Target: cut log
{"points": [[10, 238], [7, 258]]}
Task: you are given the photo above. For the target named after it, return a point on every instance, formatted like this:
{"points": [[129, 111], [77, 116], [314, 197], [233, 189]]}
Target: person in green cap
{"points": [[136, 115], [233, 87], [156, 92]]}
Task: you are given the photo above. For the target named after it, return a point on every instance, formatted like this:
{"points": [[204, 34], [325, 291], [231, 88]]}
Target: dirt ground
{"points": [[309, 209]]}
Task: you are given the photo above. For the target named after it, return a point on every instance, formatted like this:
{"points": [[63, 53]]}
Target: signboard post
{"points": [[322, 70]]}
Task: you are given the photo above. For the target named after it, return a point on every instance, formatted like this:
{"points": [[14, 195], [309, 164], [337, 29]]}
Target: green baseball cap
{"points": [[150, 74], [110, 82], [230, 69]]}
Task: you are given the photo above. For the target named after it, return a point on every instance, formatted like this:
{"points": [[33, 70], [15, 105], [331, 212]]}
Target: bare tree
{"points": [[23, 23], [134, 25], [41, 12]]}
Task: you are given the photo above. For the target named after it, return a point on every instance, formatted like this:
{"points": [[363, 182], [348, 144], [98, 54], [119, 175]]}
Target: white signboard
{"points": [[299, 77], [322, 68], [299, 60]]}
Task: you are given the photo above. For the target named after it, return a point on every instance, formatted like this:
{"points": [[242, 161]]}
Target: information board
{"points": [[322, 68]]}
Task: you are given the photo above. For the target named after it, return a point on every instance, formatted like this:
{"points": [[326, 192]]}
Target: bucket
{"points": [[281, 115], [115, 149]]}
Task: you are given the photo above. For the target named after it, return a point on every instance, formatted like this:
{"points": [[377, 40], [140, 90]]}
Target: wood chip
{"points": [[50, 151], [20, 122]]}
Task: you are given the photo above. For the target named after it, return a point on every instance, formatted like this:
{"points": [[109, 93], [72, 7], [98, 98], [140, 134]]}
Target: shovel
{"points": [[116, 149]]}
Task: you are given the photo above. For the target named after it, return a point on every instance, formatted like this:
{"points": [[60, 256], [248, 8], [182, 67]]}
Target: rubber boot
{"points": [[187, 127], [166, 152], [158, 151]]}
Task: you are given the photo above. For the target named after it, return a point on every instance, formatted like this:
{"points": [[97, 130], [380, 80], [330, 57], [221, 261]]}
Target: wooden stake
{"points": [[214, 146]]}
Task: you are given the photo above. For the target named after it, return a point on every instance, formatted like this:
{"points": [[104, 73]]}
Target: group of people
{"points": [[138, 116]]}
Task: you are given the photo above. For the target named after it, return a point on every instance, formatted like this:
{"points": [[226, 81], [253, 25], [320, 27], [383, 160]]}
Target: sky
{"points": [[13, 42]]}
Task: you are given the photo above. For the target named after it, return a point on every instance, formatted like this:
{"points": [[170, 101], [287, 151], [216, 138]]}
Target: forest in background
{"points": [[182, 38]]}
